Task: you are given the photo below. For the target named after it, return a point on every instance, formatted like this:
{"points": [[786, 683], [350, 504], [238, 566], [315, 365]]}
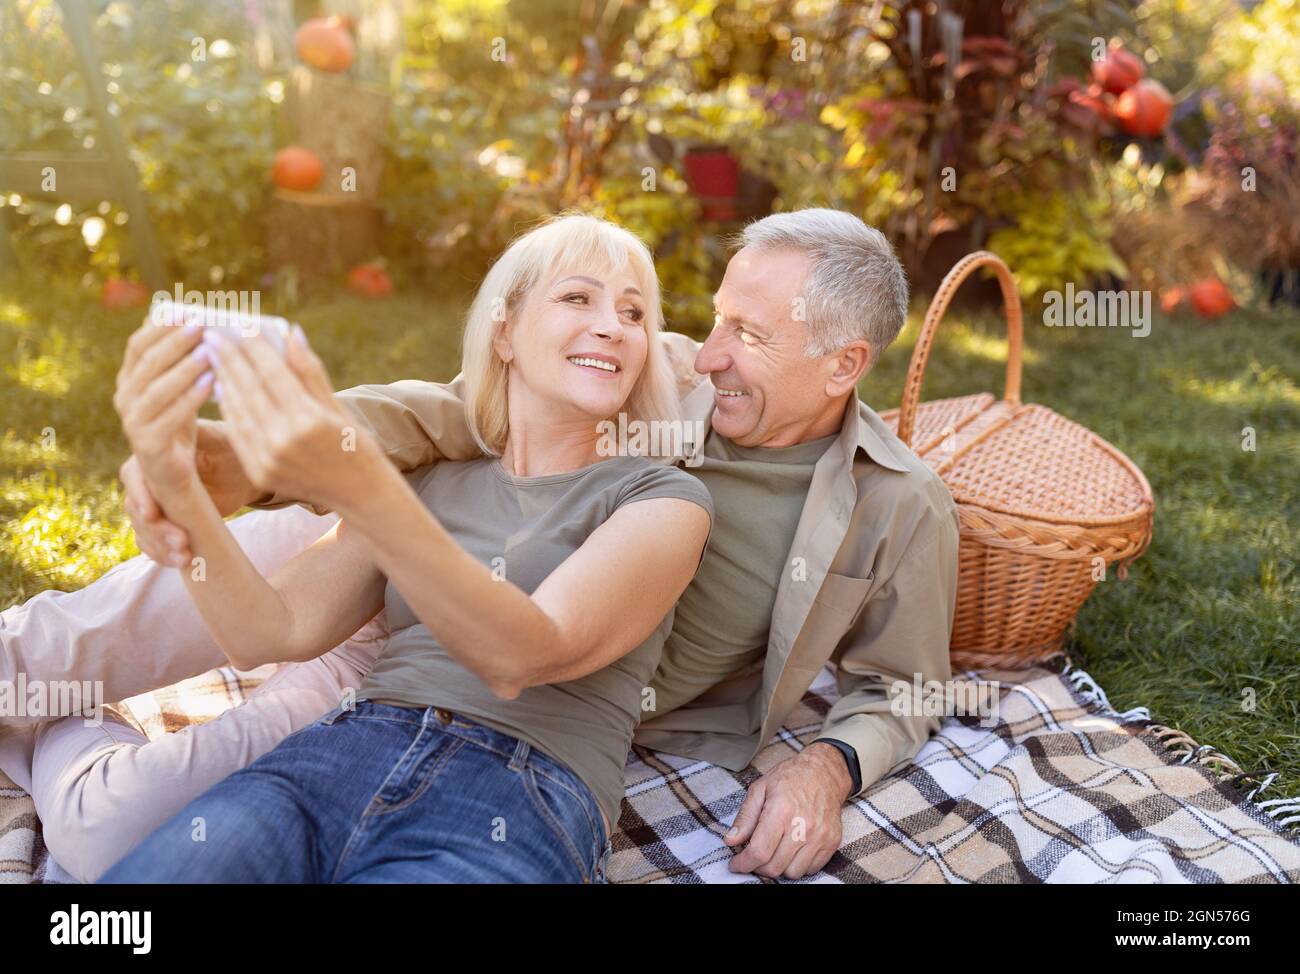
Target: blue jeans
{"points": [[383, 794]]}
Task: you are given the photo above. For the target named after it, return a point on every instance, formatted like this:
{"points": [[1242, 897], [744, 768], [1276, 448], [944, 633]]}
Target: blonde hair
{"points": [[587, 244]]}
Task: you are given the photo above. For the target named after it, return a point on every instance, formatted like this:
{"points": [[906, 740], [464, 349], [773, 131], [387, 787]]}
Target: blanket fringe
{"points": [[1249, 784], [1086, 687]]}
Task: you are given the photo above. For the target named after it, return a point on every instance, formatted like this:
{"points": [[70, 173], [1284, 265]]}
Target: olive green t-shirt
{"points": [[523, 528], [722, 621]]}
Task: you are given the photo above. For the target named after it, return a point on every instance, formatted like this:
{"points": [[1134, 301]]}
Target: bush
{"points": [[1249, 182], [200, 133], [949, 126]]}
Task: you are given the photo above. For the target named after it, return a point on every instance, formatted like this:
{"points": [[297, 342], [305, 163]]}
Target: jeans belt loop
{"points": [[519, 760], [329, 718]]}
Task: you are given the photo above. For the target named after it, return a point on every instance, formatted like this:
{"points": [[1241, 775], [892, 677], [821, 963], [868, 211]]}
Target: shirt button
{"points": [[444, 717]]}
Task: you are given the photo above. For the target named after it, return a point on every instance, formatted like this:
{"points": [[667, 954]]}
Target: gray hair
{"points": [[857, 289]]}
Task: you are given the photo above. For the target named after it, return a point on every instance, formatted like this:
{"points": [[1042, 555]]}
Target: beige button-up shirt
{"points": [[871, 579]]}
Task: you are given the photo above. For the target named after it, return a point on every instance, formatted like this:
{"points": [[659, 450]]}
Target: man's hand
{"points": [[219, 470], [791, 816]]}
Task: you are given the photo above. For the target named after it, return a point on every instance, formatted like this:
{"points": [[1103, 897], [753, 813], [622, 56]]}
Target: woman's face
{"points": [[578, 341]]}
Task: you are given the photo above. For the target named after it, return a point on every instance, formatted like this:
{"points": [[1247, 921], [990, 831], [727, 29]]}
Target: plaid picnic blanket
{"points": [[1059, 788], [1053, 786]]}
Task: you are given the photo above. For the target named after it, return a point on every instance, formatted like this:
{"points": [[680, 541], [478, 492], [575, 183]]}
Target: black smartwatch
{"points": [[850, 758]]}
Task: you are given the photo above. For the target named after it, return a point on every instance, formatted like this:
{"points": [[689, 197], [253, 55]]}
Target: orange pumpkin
{"points": [[119, 293], [1211, 298], [297, 168], [1172, 297], [325, 44], [1118, 71], [369, 281], [1144, 109]]}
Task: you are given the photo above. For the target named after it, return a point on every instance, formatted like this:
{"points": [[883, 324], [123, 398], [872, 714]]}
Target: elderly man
{"points": [[832, 542]]}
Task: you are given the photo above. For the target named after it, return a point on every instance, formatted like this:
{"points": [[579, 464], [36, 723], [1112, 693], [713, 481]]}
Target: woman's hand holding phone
{"points": [[289, 433], [165, 378]]}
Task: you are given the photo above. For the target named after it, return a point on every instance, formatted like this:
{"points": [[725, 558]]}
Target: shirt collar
{"points": [[859, 432]]}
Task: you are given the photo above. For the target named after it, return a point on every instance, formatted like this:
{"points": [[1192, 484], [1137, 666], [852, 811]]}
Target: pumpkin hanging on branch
{"points": [[1120, 95], [1144, 109], [1118, 71]]}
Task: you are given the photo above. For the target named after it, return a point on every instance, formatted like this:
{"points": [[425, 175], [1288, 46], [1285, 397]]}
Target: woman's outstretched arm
{"points": [[604, 600], [598, 605], [315, 602]]}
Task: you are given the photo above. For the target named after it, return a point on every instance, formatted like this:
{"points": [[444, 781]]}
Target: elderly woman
{"points": [[528, 592]]}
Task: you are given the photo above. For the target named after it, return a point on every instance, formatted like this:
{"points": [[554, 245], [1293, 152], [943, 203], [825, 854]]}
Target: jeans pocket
{"points": [[601, 873], [566, 814]]}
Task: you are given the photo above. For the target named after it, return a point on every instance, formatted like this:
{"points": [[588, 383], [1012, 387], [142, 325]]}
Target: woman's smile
{"points": [[605, 366]]}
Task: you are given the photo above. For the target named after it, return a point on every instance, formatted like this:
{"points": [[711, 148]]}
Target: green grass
{"points": [[61, 519], [1209, 612]]}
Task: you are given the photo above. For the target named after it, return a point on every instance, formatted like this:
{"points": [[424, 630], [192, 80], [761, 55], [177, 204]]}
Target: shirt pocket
{"points": [[843, 596]]}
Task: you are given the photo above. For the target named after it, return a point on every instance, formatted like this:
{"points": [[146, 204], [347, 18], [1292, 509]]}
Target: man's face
{"points": [[767, 392]]}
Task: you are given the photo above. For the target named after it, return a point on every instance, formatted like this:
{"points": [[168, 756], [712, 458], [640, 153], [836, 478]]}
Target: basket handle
{"points": [[942, 298]]}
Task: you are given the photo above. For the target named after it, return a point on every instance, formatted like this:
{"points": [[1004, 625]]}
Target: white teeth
{"points": [[595, 363], [729, 392]]}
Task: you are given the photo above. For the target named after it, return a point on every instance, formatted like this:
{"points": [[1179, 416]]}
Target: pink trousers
{"points": [[101, 787]]}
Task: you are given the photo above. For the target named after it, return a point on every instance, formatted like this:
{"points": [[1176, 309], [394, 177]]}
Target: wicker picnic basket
{"points": [[1040, 499]]}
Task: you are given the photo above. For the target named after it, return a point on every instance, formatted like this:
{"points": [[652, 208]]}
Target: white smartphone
{"points": [[238, 325]]}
